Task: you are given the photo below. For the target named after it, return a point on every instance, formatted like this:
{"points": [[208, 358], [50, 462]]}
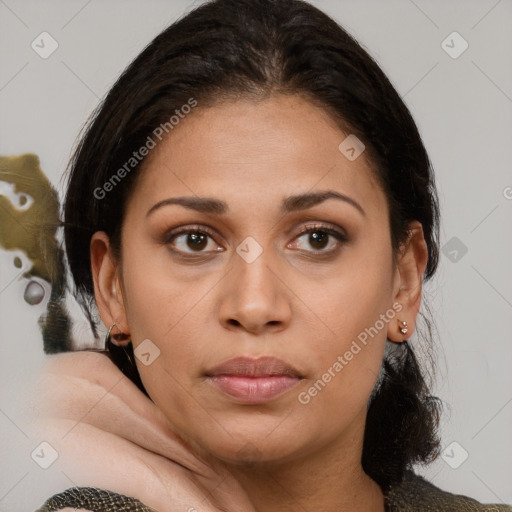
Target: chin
{"points": [[246, 449]]}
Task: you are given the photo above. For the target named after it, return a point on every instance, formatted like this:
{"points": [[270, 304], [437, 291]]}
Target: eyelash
{"points": [[338, 234]]}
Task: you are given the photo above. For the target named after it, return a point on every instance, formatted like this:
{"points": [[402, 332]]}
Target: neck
{"points": [[330, 479]]}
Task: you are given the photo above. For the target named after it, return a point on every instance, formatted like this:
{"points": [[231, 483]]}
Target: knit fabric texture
{"points": [[413, 494], [95, 500]]}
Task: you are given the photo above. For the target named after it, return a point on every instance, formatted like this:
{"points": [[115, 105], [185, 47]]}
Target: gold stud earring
{"points": [[403, 328]]}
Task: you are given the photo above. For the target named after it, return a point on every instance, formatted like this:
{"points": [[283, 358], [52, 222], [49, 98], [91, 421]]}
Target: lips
{"points": [[261, 367], [253, 381]]}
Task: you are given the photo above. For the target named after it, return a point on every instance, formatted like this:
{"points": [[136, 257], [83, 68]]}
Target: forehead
{"points": [[252, 152]]}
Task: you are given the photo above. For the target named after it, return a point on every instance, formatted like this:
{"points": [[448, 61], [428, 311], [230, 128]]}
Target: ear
{"points": [[410, 267], [107, 286]]}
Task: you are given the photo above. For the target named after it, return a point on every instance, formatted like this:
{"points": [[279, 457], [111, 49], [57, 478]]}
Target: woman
{"points": [[253, 213]]}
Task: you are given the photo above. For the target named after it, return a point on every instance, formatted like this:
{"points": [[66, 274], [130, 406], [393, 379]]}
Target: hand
{"points": [[109, 435]]}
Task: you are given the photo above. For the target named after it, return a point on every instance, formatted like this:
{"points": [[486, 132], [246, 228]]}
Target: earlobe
{"points": [[398, 330], [107, 290], [411, 264]]}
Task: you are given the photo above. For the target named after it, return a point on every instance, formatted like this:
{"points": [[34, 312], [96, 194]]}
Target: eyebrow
{"points": [[290, 204]]}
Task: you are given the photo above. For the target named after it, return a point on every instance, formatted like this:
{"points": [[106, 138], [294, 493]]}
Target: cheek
{"points": [[157, 296], [167, 311], [355, 310], [357, 292], [347, 366]]}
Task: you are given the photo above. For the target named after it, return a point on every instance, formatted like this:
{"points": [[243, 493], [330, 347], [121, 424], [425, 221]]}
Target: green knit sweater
{"points": [[413, 494]]}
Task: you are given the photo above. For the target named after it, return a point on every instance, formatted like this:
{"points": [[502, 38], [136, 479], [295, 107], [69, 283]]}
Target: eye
{"points": [[199, 240], [320, 239], [192, 240]]}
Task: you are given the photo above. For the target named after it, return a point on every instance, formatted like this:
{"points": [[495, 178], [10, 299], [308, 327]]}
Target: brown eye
{"points": [[320, 239], [197, 241], [189, 241]]}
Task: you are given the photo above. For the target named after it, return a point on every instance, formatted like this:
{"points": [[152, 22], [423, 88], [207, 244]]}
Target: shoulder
{"points": [[416, 494], [93, 500]]}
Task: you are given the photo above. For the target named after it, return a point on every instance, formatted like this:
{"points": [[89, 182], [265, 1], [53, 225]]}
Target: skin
{"points": [[291, 302]]}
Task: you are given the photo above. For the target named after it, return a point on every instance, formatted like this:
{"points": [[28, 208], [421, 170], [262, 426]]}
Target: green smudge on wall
{"points": [[33, 231]]}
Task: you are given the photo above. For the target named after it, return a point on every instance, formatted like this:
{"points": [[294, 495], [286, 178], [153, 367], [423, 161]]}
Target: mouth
{"points": [[253, 381]]}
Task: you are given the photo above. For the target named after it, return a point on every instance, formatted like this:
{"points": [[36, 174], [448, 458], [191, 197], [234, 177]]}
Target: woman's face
{"points": [[230, 273]]}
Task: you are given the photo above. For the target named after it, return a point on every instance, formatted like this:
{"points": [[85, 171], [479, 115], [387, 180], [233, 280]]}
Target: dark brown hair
{"points": [[253, 49]]}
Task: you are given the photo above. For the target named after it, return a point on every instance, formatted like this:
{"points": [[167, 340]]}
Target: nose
{"points": [[255, 297]]}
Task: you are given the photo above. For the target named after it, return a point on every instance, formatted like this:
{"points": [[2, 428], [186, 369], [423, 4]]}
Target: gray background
{"points": [[463, 107]]}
